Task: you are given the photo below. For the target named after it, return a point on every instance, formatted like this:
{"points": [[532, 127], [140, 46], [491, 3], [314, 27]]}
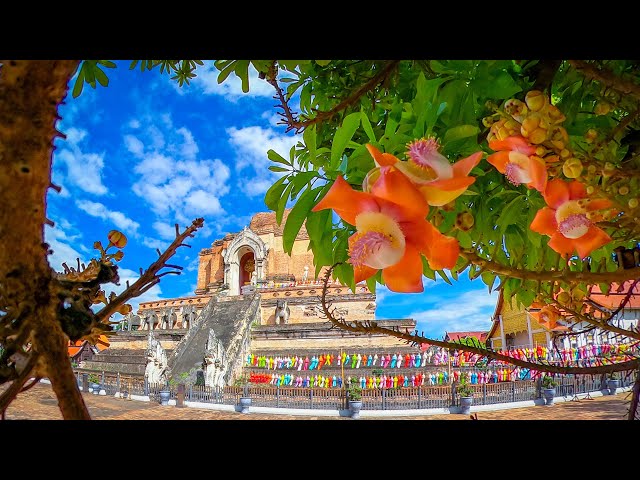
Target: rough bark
{"points": [[30, 93]]}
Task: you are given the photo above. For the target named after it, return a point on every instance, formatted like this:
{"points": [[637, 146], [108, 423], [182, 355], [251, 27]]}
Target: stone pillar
{"points": [[180, 395]]}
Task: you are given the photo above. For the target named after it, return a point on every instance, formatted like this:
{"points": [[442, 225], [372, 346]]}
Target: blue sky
{"points": [[143, 154]]}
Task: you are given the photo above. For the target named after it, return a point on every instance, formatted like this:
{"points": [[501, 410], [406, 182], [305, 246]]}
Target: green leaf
{"points": [[107, 63], [302, 178], [242, 71], [371, 283], [461, 131], [226, 70], [489, 279], [344, 272], [296, 218], [343, 165], [444, 276], [282, 203], [79, 85], [275, 168], [464, 239], [426, 269], [490, 85], [276, 157], [309, 137], [317, 223], [342, 136], [89, 75], [323, 63], [366, 126], [272, 197], [101, 77]]}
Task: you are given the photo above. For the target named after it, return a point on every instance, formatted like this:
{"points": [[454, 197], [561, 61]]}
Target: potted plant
{"points": [[465, 391], [354, 396], [165, 394], [613, 382], [548, 389], [94, 383]]}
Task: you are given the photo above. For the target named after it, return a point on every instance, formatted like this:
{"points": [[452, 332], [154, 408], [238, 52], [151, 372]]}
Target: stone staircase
{"points": [[231, 322]]}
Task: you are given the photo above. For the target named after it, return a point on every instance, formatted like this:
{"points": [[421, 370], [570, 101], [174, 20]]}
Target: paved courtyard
{"points": [[39, 403]]}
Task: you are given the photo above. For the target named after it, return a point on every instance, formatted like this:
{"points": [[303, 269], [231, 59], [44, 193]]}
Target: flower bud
{"points": [[117, 238], [536, 100], [572, 167]]}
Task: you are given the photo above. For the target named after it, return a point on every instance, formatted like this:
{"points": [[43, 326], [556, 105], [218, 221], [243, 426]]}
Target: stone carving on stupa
{"points": [[157, 362]]}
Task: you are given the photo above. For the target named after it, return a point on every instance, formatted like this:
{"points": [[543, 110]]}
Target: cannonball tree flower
{"points": [[435, 177], [516, 160], [391, 230], [569, 219], [548, 317]]}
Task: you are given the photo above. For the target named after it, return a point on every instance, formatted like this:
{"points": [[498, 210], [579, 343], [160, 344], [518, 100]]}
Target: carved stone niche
{"points": [[343, 312], [310, 311]]}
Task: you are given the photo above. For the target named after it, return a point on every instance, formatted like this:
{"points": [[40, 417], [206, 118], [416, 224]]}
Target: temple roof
{"points": [[616, 296]]}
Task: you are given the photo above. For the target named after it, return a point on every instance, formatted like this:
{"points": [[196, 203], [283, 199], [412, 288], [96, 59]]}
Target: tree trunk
{"points": [[30, 92]]}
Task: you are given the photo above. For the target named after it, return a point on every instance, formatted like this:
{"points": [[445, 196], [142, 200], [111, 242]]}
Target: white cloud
{"points": [[192, 267], [206, 82], [62, 251], [155, 243], [123, 223], [176, 184], [165, 230], [272, 118], [82, 170], [134, 145], [189, 147], [251, 145], [133, 123], [155, 168], [470, 311]]}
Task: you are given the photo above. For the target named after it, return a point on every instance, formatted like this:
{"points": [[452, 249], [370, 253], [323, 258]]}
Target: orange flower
{"points": [[392, 232], [439, 181], [548, 318], [569, 219], [516, 160]]}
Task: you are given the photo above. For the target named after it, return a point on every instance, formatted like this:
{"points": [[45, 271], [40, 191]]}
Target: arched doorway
{"points": [[236, 258], [247, 266]]}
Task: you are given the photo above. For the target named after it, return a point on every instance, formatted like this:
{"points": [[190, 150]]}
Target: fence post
{"points": [[85, 382], [277, 396], [419, 397], [513, 391], [384, 399], [118, 383], [311, 398], [146, 386], [484, 394], [190, 391]]}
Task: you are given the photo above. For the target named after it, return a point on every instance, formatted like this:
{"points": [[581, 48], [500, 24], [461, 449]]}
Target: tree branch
{"points": [[619, 276], [150, 277], [321, 116], [607, 77]]}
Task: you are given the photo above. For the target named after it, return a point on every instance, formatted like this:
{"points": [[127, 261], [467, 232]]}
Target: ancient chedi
{"points": [[252, 298]]}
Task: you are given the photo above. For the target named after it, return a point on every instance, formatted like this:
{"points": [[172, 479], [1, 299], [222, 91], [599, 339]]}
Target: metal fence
{"points": [[402, 398]]}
